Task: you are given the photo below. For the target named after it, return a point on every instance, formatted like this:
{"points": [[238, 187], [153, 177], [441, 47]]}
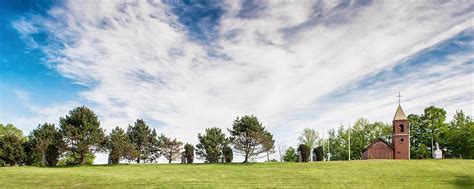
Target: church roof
{"points": [[399, 115], [375, 141]]}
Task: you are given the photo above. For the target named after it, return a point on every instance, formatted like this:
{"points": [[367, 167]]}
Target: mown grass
{"points": [[356, 174]]}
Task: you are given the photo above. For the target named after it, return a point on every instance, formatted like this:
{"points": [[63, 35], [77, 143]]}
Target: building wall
{"points": [[378, 150], [400, 139]]}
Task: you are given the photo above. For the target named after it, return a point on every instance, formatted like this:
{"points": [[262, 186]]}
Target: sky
{"points": [[184, 66]]}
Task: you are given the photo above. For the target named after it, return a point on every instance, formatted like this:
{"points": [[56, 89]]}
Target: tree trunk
{"points": [[246, 159], [43, 160], [81, 158], [268, 157], [169, 161], [138, 160]]}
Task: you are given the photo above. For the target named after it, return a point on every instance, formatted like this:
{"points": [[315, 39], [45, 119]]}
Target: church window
{"points": [[401, 140], [402, 128]]}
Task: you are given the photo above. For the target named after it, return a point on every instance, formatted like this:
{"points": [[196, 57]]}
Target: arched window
{"points": [[402, 128]]}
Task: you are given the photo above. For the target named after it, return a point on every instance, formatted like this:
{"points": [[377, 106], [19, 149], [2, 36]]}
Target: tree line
{"points": [[456, 138], [79, 136]]}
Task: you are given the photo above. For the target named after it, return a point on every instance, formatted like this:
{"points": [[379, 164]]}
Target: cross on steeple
{"points": [[399, 97]]}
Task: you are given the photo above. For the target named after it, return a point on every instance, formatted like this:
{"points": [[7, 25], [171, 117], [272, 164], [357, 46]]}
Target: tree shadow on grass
{"points": [[464, 181]]}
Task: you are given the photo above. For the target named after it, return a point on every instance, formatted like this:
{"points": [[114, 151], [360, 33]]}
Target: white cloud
{"points": [[138, 62]]}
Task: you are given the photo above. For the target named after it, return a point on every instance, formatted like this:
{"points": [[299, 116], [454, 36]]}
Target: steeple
{"points": [[399, 115]]}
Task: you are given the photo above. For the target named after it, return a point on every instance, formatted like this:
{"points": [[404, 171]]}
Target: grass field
{"points": [[373, 174]]}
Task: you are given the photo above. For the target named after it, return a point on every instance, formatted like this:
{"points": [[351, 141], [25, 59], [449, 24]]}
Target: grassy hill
{"points": [[376, 174]]}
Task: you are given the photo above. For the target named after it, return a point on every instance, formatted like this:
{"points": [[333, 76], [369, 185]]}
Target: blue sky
{"points": [[184, 66]]}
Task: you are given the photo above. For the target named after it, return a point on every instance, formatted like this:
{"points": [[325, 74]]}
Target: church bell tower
{"points": [[401, 135]]}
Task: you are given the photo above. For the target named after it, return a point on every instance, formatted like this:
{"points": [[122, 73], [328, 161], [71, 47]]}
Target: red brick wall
{"points": [[400, 140]]}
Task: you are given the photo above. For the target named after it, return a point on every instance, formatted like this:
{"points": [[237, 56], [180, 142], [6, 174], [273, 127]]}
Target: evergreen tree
{"points": [[140, 136], [290, 155], [119, 146], [82, 134], [189, 153], [169, 148], [228, 154], [211, 144], [248, 136], [47, 144]]}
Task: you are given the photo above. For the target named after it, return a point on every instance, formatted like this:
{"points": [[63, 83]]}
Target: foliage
{"points": [[71, 159], [189, 153], [309, 138], [248, 136], [143, 139], [82, 133], [425, 130], [305, 151], [460, 139], [268, 144], [169, 148], [211, 144], [119, 146], [12, 130], [228, 154], [11, 149], [319, 153], [290, 155], [362, 134], [47, 144]]}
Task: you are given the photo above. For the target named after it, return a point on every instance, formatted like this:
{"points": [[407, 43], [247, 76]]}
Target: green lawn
{"points": [[373, 174]]}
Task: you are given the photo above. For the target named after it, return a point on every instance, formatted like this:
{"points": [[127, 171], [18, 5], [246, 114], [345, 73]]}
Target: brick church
{"points": [[400, 146]]}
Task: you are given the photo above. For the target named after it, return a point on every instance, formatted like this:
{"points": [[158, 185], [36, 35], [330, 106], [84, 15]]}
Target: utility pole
{"points": [[349, 142], [324, 159]]}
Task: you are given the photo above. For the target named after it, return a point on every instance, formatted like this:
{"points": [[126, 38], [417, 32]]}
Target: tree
{"points": [[319, 153], [268, 144], [169, 148], [305, 152], [189, 153], [425, 129], [153, 147], [82, 133], [47, 144], [10, 129], [460, 138], [140, 136], [248, 136], [211, 144], [438, 128], [11, 150], [228, 154], [309, 138], [281, 149], [119, 146], [290, 155]]}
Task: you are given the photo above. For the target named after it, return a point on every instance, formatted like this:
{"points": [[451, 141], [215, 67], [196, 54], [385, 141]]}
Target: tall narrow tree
{"points": [[139, 135], [82, 133], [189, 153]]}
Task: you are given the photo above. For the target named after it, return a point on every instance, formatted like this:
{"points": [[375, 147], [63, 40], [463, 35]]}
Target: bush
{"points": [[290, 155], [319, 153], [305, 152], [228, 154]]}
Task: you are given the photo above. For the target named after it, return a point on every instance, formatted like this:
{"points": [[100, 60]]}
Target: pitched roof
{"points": [[375, 141], [399, 115]]}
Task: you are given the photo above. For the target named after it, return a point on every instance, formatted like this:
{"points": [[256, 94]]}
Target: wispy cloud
{"points": [[291, 63]]}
